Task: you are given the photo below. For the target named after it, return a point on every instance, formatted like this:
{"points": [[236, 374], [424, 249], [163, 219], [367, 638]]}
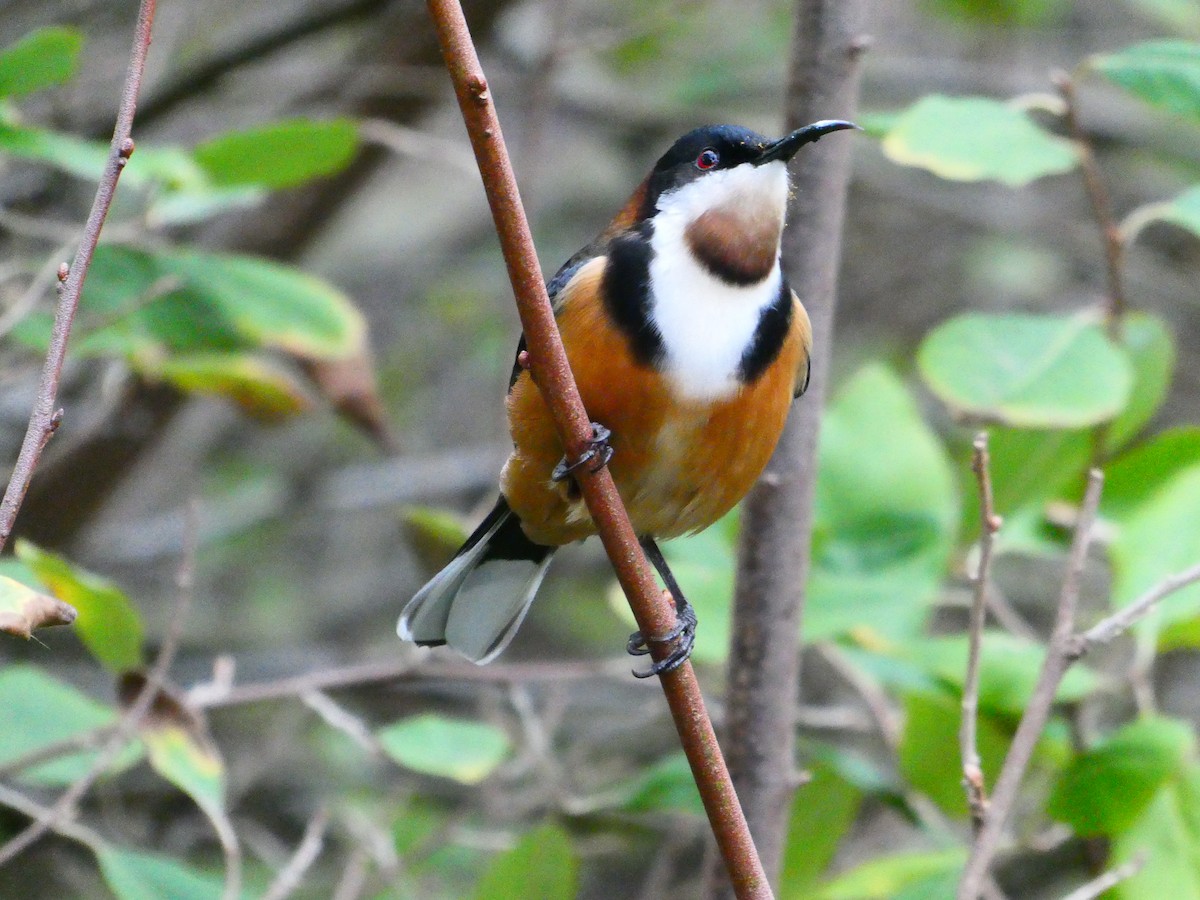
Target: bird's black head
{"points": [[713, 148]]}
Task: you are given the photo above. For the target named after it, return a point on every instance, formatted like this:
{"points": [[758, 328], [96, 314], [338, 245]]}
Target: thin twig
{"points": [[210, 695], [44, 420], [64, 808], [989, 524], [312, 842], [1109, 628], [73, 830], [1101, 203], [654, 613], [1037, 711], [1109, 879]]}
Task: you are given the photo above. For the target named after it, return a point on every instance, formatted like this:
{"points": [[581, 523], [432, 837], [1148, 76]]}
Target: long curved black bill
{"points": [[785, 148]]}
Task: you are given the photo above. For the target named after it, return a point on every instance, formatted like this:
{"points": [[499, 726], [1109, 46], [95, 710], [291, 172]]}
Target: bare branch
{"points": [[1037, 711], [1109, 628], [1109, 879], [312, 842], [1101, 203], [654, 613], [64, 807], [44, 420], [989, 524]]}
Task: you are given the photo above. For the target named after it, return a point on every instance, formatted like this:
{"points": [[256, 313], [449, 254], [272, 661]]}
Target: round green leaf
{"points": [[279, 155], [1157, 538], [1105, 789], [108, 623], [1166, 837], [542, 865], [1165, 74], [41, 59], [885, 877], [1024, 370], [667, 786], [1135, 476], [885, 519], [465, 751], [40, 711], [976, 139], [1151, 349], [1183, 211], [135, 875]]}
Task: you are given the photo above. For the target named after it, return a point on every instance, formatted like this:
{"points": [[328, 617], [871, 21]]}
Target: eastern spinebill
{"points": [[688, 347]]}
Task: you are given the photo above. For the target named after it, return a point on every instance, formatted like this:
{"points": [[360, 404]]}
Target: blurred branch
{"points": [[1058, 659], [989, 524], [1101, 203], [253, 48], [654, 612], [64, 807], [773, 557], [1109, 628], [1109, 879], [44, 420], [312, 842]]}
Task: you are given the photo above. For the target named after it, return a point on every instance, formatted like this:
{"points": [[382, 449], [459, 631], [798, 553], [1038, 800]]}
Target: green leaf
{"points": [[1155, 539], [258, 385], [142, 304], [1151, 349], [169, 166], [1135, 476], [883, 878], [1106, 789], [929, 755], [1033, 466], [822, 812], [465, 751], [886, 513], [1177, 15], [40, 711], [136, 875], [1165, 74], [976, 139], [279, 155], [666, 785], [1008, 670], [1167, 836], [434, 534], [1183, 211], [542, 865], [189, 762], [108, 624], [23, 609], [1025, 370], [41, 59], [999, 12]]}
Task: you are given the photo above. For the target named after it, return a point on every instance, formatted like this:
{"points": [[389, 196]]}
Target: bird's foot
{"points": [[595, 457], [683, 635]]}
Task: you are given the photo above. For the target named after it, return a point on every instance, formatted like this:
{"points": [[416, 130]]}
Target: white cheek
{"points": [[706, 324]]}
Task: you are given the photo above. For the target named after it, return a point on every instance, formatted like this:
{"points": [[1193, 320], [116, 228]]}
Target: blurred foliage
{"points": [[524, 800]]}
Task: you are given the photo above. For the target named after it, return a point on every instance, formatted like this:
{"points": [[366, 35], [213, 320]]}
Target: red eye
{"points": [[707, 159]]}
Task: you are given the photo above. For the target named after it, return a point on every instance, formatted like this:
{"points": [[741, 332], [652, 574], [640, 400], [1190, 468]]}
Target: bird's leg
{"points": [[684, 631], [598, 454]]}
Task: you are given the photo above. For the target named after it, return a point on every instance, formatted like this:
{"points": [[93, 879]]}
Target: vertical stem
{"points": [[548, 364], [44, 420], [773, 559]]}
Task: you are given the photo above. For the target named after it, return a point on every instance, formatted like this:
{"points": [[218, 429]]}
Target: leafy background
{"points": [[299, 316]]}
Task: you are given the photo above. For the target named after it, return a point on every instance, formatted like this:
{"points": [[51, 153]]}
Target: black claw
{"points": [[598, 453], [683, 634]]}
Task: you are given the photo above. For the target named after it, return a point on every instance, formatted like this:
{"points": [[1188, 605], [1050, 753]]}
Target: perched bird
{"points": [[688, 347]]}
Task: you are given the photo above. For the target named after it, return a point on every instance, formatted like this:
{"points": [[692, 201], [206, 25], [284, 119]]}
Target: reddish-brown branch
{"points": [[548, 363], [45, 419]]}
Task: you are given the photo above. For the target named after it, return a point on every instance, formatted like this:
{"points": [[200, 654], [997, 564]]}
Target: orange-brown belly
{"points": [[678, 466]]}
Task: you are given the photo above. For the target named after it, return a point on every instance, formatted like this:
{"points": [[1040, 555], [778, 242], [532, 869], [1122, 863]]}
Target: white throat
{"points": [[707, 324]]}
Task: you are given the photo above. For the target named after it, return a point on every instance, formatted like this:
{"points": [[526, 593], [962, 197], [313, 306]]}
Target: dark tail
{"points": [[478, 601]]}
